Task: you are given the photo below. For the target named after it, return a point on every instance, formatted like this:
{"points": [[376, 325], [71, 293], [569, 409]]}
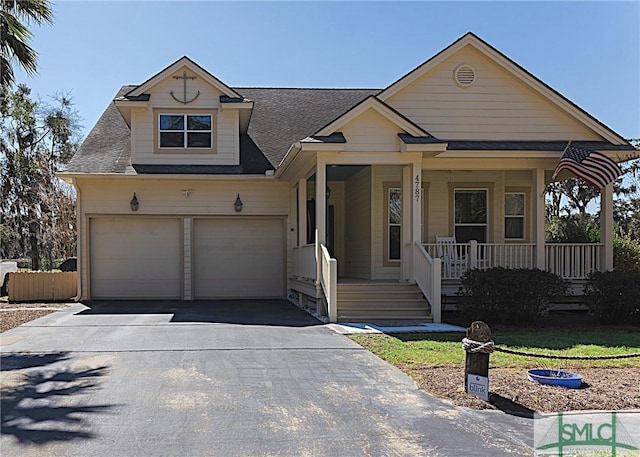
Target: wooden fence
{"points": [[27, 286]]}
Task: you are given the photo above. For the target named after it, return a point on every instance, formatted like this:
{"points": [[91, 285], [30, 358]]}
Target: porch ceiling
{"points": [[340, 172]]}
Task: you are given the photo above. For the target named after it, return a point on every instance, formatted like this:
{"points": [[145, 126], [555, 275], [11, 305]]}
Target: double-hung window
{"points": [[185, 131], [514, 211], [470, 215]]}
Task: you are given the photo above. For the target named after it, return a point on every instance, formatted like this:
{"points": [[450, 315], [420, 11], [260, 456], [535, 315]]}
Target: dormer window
{"points": [[186, 131]]}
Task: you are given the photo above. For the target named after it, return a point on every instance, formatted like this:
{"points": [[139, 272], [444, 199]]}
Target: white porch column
{"points": [[302, 212], [406, 236], [538, 217], [606, 227], [321, 214]]}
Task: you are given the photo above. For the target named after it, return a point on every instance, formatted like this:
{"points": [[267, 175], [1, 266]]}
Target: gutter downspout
{"points": [[79, 249]]}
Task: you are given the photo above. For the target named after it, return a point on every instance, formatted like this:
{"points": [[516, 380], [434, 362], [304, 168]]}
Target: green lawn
{"points": [[445, 349]]}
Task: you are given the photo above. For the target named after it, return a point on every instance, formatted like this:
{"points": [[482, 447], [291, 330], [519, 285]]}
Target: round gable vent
{"points": [[464, 75]]}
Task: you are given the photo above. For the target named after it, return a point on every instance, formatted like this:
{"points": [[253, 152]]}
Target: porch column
{"points": [[606, 227], [321, 214], [302, 212], [538, 217], [406, 237]]}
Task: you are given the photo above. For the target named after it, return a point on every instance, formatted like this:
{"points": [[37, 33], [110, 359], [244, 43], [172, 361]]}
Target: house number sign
{"points": [[416, 192]]}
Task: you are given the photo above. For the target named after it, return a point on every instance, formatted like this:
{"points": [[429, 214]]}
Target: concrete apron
{"points": [[221, 379]]}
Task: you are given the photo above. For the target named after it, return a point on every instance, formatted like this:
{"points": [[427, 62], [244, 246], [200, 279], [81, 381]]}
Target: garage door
{"points": [[134, 257], [239, 258]]}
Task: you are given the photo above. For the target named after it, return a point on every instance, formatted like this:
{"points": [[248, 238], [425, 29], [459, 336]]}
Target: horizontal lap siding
{"points": [[440, 217], [496, 106], [358, 225], [371, 132], [167, 197]]}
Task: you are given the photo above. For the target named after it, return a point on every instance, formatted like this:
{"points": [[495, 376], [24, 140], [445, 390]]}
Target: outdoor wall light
{"points": [[238, 204], [134, 203]]}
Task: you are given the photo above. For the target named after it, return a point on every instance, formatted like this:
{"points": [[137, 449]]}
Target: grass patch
{"points": [[445, 349]]}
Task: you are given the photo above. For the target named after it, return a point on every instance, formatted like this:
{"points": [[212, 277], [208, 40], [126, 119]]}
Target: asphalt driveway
{"points": [[258, 378]]}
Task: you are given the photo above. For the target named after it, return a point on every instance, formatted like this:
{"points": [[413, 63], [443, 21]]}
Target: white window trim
{"points": [[523, 216], [185, 131]]}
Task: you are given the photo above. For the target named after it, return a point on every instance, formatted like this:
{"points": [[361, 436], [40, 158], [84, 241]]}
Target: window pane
{"points": [[470, 207], [394, 242], [198, 122], [466, 233], [171, 139], [168, 122], [199, 140], [514, 204], [514, 227], [395, 206]]}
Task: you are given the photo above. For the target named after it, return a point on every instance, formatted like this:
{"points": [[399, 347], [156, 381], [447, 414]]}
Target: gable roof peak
{"points": [[193, 66]]}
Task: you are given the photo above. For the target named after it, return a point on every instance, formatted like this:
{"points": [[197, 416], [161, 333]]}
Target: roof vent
{"points": [[464, 75]]}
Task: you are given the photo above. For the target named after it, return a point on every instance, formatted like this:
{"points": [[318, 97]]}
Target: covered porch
{"points": [[357, 220]]}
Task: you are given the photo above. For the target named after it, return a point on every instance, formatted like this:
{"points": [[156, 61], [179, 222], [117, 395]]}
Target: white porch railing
{"points": [[569, 261], [304, 262], [573, 260], [427, 271], [329, 281]]}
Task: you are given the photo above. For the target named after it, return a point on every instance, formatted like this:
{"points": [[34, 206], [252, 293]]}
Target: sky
{"points": [[588, 51]]}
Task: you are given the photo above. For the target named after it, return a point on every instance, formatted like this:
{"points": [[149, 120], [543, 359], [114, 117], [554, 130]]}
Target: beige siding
{"points": [[383, 175], [358, 225], [495, 107], [144, 131], [440, 218], [167, 197], [371, 132]]}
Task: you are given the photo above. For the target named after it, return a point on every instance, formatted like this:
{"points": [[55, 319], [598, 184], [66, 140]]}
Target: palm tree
{"points": [[15, 15]]}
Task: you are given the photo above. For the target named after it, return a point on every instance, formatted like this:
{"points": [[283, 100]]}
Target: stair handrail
{"points": [[329, 282], [427, 273]]}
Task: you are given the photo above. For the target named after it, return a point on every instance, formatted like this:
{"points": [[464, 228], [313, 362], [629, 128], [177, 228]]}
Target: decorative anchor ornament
{"points": [[184, 78]]}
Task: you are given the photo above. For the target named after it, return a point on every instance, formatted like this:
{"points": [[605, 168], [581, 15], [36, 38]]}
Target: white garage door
{"points": [[135, 257], [239, 258]]}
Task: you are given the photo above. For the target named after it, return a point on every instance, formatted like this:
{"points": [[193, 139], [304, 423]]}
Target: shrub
{"points": [[626, 253], [508, 295], [614, 296]]}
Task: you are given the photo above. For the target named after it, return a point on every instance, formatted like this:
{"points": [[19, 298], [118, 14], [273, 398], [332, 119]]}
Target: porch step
{"points": [[381, 302]]}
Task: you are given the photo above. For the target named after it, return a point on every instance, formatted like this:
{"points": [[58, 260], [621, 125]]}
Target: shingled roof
{"points": [[281, 116]]}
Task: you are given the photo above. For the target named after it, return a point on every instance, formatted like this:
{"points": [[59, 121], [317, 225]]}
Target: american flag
{"points": [[595, 168]]}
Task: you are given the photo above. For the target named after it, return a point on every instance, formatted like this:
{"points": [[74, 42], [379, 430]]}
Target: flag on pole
{"points": [[595, 168]]}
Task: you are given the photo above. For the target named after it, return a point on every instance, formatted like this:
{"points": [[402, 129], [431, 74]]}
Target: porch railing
{"points": [[304, 262], [573, 260], [567, 260], [329, 282], [427, 271]]}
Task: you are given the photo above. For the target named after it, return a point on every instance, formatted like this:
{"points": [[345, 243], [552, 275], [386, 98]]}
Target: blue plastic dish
{"points": [[555, 378]]}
